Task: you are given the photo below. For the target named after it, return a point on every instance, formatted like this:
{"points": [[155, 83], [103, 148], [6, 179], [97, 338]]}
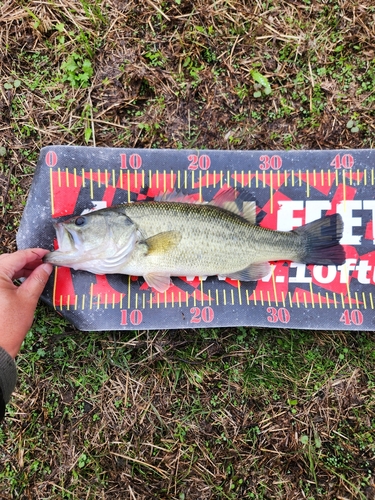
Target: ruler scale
{"points": [[290, 188]]}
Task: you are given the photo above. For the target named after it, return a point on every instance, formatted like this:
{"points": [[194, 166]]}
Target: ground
{"points": [[195, 414]]}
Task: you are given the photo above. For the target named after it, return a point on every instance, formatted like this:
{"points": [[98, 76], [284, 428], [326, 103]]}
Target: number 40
{"points": [[355, 316], [344, 161]]}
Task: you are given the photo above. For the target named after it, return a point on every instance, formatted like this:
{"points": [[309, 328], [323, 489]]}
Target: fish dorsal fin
{"points": [[225, 197], [178, 197], [230, 199], [249, 211], [163, 242], [253, 272]]}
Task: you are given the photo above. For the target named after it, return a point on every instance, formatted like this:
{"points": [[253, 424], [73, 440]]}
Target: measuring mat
{"points": [[290, 188]]}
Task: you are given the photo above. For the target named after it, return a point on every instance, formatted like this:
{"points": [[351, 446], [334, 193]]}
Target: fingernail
{"points": [[47, 268]]}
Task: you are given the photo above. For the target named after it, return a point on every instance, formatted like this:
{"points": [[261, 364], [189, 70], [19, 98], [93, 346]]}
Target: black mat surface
{"points": [[290, 188]]}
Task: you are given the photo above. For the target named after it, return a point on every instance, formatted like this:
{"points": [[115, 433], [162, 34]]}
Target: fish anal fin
{"points": [[253, 272], [161, 282], [163, 242]]}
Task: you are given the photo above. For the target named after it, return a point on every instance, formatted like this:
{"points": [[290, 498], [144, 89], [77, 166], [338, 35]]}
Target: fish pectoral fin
{"points": [[253, 272], [160, 282], [163, 242]]}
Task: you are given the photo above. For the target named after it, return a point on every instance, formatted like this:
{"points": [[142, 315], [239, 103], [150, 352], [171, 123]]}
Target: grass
{"points": [[197, 414], [231, 412]]}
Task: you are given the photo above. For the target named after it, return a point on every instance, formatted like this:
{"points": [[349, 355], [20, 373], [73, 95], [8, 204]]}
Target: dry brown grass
{"points": [[200, 414]]}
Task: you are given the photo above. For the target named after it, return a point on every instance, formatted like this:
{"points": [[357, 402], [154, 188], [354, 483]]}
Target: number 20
{"points": [[206, 314], [203, 162]]}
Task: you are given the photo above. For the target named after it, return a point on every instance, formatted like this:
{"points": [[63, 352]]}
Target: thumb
{"points": [[34, 285]]}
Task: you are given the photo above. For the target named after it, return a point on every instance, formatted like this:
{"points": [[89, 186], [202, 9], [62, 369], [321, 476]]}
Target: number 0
{"points": [[51, 159]]}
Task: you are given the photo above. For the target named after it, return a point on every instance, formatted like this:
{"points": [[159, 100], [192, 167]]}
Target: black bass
{"points": [[160, 239]]}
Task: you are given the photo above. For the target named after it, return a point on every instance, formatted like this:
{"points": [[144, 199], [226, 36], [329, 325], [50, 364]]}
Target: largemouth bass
{"points": [[160, 239]]}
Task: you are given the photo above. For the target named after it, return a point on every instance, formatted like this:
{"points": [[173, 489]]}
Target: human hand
{"points": [[18, 303]]}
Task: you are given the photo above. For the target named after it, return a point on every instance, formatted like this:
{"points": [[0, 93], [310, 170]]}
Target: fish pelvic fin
{"points": [[160, 282], [253, 272], [163, 242], [322, 241]]}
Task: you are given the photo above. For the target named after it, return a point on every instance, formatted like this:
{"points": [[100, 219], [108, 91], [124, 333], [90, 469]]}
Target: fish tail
{"points": [[321, 241]]}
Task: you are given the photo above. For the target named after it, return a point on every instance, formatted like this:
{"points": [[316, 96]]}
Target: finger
{"points": [[28, 269], [24, 273], [12, 264], [33, 286]]}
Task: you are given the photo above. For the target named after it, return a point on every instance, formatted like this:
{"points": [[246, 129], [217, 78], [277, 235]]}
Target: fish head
{"points": [[100, 242]]}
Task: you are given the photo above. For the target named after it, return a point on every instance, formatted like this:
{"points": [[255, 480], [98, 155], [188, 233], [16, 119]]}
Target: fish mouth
{"points": [[69, 246], [67, 240]]}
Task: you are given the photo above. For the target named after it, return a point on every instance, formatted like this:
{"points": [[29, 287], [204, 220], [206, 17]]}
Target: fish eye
{"points": [[80, 221]]}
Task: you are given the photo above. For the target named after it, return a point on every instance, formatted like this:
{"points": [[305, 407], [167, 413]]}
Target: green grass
{"points": [[229, 405]]}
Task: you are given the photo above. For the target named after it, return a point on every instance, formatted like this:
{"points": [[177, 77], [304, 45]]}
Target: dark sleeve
{"points": [[2, 405], [8, 378]]}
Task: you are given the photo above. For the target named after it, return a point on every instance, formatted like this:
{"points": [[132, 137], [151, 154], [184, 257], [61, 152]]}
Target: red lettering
{"points": [[193, 162], [206, 314], [274, 162], [347, 161], [203, 162], [135, 161], [135, 317], [344, 161], [276, 315], [348, 317], [51, 159], [273, 314], [123, 160], [195, 311], [283, 315]]}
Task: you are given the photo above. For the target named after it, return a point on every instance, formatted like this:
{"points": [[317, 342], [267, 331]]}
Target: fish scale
{"points": [[214, 241]]}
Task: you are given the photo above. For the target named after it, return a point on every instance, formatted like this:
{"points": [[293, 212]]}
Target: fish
{"points": [[176, 236]]}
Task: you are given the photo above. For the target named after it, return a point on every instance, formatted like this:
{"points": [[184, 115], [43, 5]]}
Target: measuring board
{"points": [[291, 188]]}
